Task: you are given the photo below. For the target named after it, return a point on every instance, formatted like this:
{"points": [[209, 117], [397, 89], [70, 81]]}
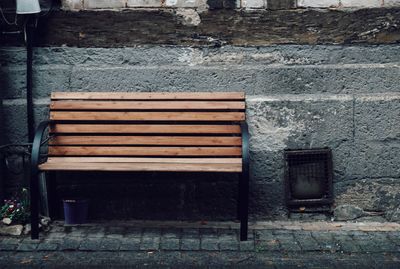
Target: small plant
{"points": [[17, 208]]}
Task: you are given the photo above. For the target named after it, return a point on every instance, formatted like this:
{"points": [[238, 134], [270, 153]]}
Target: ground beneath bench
{"points": [[151, 244]]}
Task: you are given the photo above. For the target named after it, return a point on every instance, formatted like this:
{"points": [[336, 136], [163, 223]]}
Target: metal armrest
{"points": [[245, 147], [37, 143], [243, 205]]}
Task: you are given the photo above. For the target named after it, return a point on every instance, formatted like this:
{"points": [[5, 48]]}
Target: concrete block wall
{"points": [[246, 4], [343, 97]]}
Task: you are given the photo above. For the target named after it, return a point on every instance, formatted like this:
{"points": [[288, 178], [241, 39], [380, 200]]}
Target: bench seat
{"points": [[142, 164]]}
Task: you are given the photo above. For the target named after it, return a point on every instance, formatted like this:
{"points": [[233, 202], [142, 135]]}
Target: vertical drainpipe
{"points": [[29, 30]]}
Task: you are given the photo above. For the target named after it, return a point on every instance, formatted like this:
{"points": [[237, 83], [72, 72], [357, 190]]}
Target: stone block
{"points": [[366, 160], [318, 3], [130, 244], [190, 244], [361, 3], [110, 244], [377, 160], [281, 4], [377, 117], [185, 3], [150, 243], [209, 244], [45, 80], [253, 4], [267, 201], [144, 3], [15, 121], [89, 4], [70, 244], [11, 230], [347, 212], [391, 3], [299, 121], [90, 245], [369, 194], [72, 4], [169, 243]]}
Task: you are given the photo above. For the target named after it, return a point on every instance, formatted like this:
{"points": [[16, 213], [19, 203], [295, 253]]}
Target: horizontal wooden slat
{"points": [[145, 105], [143, 151], [183, 167], [143, 128], [148, 116], [146, 140], [148, 96], [141, 160]]}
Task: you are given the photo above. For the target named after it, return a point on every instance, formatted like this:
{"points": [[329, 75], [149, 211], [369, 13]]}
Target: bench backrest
{"points": [[202, 124]]}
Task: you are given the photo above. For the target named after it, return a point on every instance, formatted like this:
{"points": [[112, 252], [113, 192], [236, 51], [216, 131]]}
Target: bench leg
{"points": [[243, 205], [34, 204]]}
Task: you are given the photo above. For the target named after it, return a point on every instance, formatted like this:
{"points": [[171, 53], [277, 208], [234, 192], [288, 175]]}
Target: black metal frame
{"points": [[243, 203], [243, 195], [328, 197], [34, 182]]}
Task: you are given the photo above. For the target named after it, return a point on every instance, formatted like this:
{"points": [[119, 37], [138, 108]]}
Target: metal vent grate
{"points": [[308, 177]]}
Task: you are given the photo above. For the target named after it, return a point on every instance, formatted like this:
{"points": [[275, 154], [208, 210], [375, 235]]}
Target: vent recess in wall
{"points": [[308, 179]]}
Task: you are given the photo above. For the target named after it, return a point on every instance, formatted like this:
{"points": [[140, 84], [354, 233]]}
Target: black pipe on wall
{"points": [[30, 33]]}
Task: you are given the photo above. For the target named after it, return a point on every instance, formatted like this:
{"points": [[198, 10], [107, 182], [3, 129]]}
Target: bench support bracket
{"points": [[34, 180]]}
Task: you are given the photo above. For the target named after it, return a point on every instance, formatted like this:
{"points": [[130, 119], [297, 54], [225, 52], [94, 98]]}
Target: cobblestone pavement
{"points": [[212, 245]]}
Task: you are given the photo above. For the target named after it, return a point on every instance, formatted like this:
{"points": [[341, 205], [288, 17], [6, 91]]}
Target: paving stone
{"points": [[171, 233], [208, 232], [306, 241], [190, 244], [7, 247], [264, 235], [56, 235], [11, 240], [27, 246], [381, 243], [57, 228], [267, 245], [151, 232], [47, 246], [90, 245], [133, 232], [247, 245], [70, 244], [385, 246], [75, 231], [110, 244], [347, 244], [325, 241], [129, 244], [190, 233], [288, 243], [209, 243], [286, 239], [115, 232], [367, 245], [228, 233], [150, 243], [95, 232], [394, 237], [169, 243], [228, 244]]}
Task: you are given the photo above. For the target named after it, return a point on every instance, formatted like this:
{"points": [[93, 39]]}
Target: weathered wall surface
{"points": [[213, 28], [343, 97]]}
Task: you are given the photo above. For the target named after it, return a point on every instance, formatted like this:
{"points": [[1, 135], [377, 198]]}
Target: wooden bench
{"points": [[171, 132]]}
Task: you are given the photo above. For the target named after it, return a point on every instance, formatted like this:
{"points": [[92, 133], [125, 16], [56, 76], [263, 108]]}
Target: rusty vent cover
{"points": [[308, 177]]}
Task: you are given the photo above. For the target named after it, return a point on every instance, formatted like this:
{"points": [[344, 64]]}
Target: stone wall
{"points": [[343, 97], [245, 4]]}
